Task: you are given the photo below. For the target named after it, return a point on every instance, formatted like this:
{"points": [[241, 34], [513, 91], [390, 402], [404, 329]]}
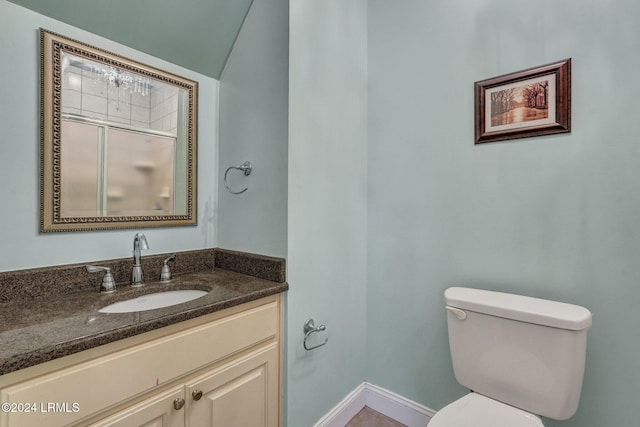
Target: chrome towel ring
{"points": [[245, 168]]}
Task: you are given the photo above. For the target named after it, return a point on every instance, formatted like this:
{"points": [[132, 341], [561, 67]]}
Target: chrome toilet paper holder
{"points": [[309, 329]]}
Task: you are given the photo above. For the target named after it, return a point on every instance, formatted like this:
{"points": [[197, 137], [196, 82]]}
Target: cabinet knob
{"points": [[178, 403], [196, 394]]}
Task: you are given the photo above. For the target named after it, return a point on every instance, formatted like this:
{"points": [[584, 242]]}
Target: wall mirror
{"points": [[118, 141]]}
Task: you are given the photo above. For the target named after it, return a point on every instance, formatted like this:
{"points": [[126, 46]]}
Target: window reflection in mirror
{"points": [[112, 171], [120, 142]]}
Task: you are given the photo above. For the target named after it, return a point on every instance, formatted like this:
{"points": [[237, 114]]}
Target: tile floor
{"points": [[367, 417]]}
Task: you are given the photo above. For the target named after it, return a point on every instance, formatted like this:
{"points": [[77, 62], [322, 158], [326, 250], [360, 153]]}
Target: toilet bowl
{"points": [[480, 411], [523, 358]]}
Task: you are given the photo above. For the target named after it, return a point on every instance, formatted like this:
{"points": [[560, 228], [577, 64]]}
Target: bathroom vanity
{"points": [[212, 361]]}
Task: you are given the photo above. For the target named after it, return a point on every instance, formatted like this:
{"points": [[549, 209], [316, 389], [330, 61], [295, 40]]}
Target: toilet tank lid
{"points": [[517, 307]]}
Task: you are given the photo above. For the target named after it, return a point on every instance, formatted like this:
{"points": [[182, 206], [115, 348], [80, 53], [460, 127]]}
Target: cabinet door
{"points": [[242, 393], [161, 410]]}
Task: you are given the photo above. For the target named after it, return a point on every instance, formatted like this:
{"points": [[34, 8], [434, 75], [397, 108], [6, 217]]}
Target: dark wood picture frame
{"points": [[531, 102]]}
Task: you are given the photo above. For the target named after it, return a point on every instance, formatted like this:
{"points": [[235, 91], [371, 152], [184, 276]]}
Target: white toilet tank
{"points": [[526, 352]]}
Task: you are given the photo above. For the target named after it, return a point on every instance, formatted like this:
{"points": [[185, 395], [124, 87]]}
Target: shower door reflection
{"points": [[110, 170]]}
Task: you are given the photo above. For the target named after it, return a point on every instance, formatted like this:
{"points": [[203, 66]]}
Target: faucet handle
{"points": [[165, 274], [108, 283]]}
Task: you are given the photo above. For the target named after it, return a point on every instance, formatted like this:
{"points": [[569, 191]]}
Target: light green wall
{"points": [[253, 126], [553, 217], [326, 262], [197, 34], [21, 246], [388, 208]]}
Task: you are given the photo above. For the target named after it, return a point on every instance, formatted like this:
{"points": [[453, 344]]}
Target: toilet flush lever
{"points": [[460, 314]]}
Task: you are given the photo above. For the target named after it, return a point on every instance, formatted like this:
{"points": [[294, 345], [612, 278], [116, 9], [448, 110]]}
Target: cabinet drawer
{"points": [[99, 384]]}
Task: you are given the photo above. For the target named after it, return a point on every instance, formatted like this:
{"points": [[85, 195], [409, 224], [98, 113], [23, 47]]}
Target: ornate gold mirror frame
{"points": [[118, 141]]}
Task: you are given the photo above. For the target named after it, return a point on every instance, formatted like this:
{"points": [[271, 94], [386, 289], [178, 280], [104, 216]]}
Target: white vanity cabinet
{"points": [[222, 369]]}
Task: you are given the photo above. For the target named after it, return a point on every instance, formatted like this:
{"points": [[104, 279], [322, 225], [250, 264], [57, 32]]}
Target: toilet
{"points": [[522, 358]]}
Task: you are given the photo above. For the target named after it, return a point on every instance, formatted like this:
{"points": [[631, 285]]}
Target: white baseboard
{"points": [[377, 398], [397, 407], [340, 415]]}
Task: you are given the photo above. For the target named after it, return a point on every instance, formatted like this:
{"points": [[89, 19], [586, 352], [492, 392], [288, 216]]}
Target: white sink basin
{"points": [[152, 301]]}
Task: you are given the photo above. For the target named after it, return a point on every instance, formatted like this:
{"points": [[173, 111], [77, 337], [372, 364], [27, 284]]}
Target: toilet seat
{"points": [[475, 410]]}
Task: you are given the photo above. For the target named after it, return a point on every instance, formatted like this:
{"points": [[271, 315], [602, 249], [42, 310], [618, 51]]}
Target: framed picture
{"points": [[531, 102]]}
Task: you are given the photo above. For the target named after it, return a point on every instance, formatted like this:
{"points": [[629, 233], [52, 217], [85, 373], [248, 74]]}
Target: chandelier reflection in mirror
{"points": [[120, 82], [118, 85], [118, 141]]}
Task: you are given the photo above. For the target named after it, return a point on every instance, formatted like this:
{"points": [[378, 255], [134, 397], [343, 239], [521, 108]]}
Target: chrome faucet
{"points": [[139, 243]]}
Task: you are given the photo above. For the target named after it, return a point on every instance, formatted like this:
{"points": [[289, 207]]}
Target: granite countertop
{"points": [[44, 328]]}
